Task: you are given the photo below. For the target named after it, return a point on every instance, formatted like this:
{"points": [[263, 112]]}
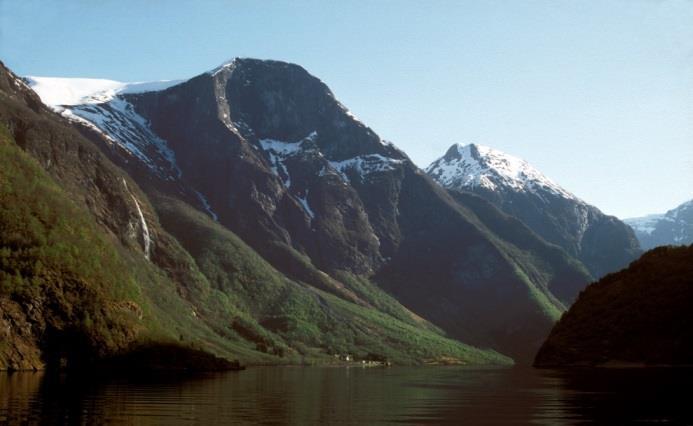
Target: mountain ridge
{"points": [[264, 148], [555, 214], [675, 227], [224, 299]]}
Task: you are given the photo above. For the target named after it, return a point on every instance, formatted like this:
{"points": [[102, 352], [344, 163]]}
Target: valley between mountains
{"points": [[246, 213]]}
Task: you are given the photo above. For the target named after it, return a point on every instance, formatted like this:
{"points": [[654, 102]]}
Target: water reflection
{"points": [[312, 395]]}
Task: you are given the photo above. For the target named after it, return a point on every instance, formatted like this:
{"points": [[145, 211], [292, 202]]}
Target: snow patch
{"points": [[646, 224], [118, 121], [675, 213], [278, 151], [97, 104], [348, 112], [19, 82], [674, 220], [365, 165], [231, 63], [55, 91]]}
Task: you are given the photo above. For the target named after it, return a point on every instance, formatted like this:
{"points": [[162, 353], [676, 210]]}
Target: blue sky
{"points": [[596, 94]]}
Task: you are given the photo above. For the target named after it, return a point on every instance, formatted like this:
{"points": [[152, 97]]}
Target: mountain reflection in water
{"points": [[325, 395]]}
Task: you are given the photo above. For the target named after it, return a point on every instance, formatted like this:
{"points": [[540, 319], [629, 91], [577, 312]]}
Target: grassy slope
{"points": [[110, 297], [91, 297], [550, 277], [545, 264], [310, 321]]}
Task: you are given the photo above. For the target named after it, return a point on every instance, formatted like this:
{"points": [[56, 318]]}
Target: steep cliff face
{"points": [[602, 243], [271, 149], [90, 270], [640, 315]]}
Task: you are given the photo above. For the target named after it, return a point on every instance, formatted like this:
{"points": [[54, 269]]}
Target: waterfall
{"points": [[147, 240]]}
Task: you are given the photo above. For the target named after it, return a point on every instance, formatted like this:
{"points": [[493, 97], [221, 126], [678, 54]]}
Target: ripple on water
{"points": [[320, 395]]}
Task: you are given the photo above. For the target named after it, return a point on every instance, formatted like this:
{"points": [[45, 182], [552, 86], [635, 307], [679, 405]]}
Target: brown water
{"points": [[322, 395]]}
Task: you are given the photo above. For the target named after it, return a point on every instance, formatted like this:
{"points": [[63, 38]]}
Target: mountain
{"points": [[674, 227], [262, 152], [640, 315], [602, 243], [90, 274]]}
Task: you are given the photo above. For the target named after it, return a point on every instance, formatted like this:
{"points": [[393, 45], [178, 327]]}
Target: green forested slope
{"points": [[79, 284]]}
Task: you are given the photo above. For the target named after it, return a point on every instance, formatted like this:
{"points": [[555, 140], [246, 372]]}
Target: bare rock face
{"points": [[277, 150], [21, 350]]}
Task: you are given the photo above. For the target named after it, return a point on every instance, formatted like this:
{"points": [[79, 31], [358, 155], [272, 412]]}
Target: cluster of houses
{"points": [[369, 360]]}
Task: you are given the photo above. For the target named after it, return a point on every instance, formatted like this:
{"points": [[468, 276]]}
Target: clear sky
{"points": [[596, 94]]}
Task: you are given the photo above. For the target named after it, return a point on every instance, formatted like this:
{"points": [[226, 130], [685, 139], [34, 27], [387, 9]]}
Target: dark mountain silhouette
{"points": [[640, 315]]}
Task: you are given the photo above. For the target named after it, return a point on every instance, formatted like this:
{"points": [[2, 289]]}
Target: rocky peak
{"points": [[282, 101], [457, 151]]}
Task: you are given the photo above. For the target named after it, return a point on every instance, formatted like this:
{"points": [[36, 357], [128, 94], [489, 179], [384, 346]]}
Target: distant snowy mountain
{"points": [[471, 166], [674, 227], [603, 243]]}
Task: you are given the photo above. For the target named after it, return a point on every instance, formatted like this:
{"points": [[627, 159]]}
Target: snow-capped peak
{"points": [[673, 227], [647, 224], [684, 208], [57, 91], [472, 165]]}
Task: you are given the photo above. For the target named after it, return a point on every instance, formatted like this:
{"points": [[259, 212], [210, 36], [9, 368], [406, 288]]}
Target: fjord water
{"points": [[354, 395]]}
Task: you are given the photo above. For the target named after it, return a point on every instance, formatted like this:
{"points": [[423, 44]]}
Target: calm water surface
{"points": [[331, 395]]}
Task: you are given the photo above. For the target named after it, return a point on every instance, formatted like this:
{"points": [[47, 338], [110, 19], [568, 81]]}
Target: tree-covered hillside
{"points": [[641, 315]]}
